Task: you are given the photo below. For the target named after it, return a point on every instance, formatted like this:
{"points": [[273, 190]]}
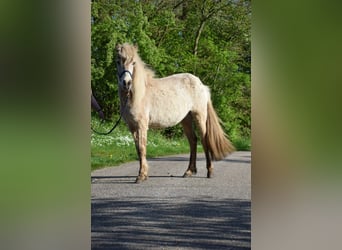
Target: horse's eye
{"points": [[133, 63]]}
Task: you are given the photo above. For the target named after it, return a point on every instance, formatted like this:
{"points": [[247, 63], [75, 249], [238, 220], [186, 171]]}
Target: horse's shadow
{"points": [[247, 159], [169, 158], [128, 179], [131, 178]]}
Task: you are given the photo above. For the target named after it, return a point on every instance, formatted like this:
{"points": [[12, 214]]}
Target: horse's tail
{"points": [[219, 145]]}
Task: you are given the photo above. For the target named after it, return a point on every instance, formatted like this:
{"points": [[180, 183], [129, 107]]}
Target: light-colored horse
{"points": [[146, 101]]}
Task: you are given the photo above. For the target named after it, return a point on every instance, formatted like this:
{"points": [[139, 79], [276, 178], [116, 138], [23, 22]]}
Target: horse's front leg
{"points": [[140, 139]]}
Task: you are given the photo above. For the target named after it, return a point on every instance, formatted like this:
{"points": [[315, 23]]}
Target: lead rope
{"points": [[115, 125]]}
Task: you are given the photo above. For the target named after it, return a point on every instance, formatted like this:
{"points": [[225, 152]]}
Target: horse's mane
{"points": [[142, 74], [130, 52]]}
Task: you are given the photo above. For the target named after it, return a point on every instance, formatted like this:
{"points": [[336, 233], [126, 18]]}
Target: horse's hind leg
{"points": [[201, 122], [190, 134]]}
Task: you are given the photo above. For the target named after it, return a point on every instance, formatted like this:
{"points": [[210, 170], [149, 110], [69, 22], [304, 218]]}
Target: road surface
{"points": [[171, 212]]}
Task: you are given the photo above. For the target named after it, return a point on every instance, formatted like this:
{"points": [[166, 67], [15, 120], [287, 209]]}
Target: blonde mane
{"points": [[142, 74]]}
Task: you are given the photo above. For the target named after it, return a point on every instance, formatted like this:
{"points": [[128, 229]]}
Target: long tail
{"points": [[218, 144]]}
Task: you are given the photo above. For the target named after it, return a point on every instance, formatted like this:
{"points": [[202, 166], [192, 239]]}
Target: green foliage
{"points": [[210, 39]]}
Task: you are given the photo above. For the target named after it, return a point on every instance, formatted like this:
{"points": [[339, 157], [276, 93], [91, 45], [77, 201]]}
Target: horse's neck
{"points": [[139, 90]]}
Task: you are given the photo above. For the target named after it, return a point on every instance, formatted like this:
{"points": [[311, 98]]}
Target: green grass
{"points": [[242, 144], [118, 147]]}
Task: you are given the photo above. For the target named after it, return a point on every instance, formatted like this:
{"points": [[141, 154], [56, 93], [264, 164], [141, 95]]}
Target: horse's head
{"points": [[125, 66]]}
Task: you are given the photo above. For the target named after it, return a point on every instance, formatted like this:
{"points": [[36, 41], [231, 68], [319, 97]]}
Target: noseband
{"points": [[125, 71]]}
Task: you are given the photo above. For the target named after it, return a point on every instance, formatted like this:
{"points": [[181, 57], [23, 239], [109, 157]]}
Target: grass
{"points": [[118, 147]]}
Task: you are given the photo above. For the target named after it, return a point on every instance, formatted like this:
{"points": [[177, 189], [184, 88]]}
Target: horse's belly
{"points": [[166, 118]]}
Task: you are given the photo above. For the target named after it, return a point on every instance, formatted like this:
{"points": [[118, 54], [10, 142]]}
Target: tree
{"points": [[209, 38]]}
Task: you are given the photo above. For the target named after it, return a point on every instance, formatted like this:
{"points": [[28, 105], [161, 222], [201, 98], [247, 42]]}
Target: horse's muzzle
{"points": [[127, 85]]}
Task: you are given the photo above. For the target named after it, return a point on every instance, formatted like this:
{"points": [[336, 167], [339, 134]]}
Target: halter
{"points": [[125, 71]]}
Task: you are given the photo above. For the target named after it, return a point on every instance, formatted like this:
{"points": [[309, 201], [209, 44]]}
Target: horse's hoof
{"points": [[140, 179], [209, 174], [189, 173], [185, 175]]}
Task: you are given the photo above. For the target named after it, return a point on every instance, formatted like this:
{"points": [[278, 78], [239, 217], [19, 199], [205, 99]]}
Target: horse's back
{"points": [[173, 97], [182, 88], [185, 82]]}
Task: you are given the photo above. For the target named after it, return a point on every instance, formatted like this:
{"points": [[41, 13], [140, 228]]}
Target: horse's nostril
{"points": [[126, 84]]}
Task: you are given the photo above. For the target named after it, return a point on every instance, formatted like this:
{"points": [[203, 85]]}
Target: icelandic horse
{"points": [[150, 102]]}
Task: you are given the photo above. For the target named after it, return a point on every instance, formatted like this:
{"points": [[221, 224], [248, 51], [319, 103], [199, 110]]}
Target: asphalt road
{"points": [[171, 212]]}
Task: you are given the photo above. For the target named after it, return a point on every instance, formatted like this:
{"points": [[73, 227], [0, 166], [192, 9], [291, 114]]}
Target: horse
{"points": [[150, 102]]}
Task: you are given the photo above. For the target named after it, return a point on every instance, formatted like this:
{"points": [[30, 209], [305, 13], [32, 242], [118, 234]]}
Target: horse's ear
{"points": [[136, 47]]}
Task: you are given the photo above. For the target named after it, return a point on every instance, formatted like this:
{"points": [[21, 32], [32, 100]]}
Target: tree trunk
{"points": [[198, 35]]}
